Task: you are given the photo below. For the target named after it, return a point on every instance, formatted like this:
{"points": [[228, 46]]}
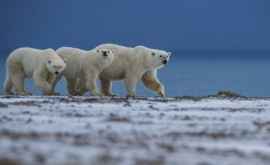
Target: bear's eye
{"points": [[160, 56], [49, 61], [153, 53]]}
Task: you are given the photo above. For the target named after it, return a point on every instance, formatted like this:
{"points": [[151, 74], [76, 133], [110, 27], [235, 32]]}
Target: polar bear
{"points": [[42, 66], [83, 68], [133, 64]]}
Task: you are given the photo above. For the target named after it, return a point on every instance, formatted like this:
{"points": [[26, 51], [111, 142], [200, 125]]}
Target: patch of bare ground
{"points": [[117, 118]]}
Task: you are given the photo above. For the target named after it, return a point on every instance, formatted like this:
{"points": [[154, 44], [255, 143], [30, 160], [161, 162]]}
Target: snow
{"points": [[104, 130]]}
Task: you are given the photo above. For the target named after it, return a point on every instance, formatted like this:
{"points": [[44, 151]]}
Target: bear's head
{"points": [[55, 64], [154, 58], [105, 57]]}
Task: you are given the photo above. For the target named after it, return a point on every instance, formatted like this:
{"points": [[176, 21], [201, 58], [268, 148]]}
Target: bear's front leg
{"points": [[71, 85], [54, 82], [161, 91], [52, 79], [81, 87], [91, 84], [106, 87], [42, 83], [151, 81], [131, 83]]}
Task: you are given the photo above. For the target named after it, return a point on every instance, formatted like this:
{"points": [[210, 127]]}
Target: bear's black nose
{"points": [[56, 72], [165, 62], [105, 54]]}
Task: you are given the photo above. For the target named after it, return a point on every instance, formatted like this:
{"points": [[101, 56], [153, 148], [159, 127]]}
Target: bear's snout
{"points": [[104, 54], [56, 72], [164, 61]]}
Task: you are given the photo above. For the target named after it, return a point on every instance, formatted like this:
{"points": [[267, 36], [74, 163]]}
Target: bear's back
{"points": [[26, 58], [72, 58]]}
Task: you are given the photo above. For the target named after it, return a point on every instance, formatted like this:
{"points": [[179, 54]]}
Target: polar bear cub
{"points": [[83, 68], [43, 66], [133, 64]]}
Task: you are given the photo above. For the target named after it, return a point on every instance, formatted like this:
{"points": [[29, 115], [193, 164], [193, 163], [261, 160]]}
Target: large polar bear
{"points": [[42, 65], [83, 68], [133, 65]]}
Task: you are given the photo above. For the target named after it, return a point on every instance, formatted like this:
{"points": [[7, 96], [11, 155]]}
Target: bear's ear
{"points": [[169, 54]]}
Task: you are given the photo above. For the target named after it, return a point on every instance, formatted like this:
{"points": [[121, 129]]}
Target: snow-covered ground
{"points": [[92, 130]]}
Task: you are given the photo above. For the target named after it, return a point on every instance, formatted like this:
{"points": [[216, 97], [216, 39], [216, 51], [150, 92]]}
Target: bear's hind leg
{"points": [[18, 82], [8, 86], [150, 81]]}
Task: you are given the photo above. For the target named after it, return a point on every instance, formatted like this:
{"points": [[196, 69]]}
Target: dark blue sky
{"points": [[169, 24]]}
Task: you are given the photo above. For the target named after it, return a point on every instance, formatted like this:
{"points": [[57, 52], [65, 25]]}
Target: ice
{"points": [[104, 130]]}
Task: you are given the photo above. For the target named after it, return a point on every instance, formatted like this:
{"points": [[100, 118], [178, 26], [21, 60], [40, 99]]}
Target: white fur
{"points": [[40, 65], [83, 68], [130, 64]]}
